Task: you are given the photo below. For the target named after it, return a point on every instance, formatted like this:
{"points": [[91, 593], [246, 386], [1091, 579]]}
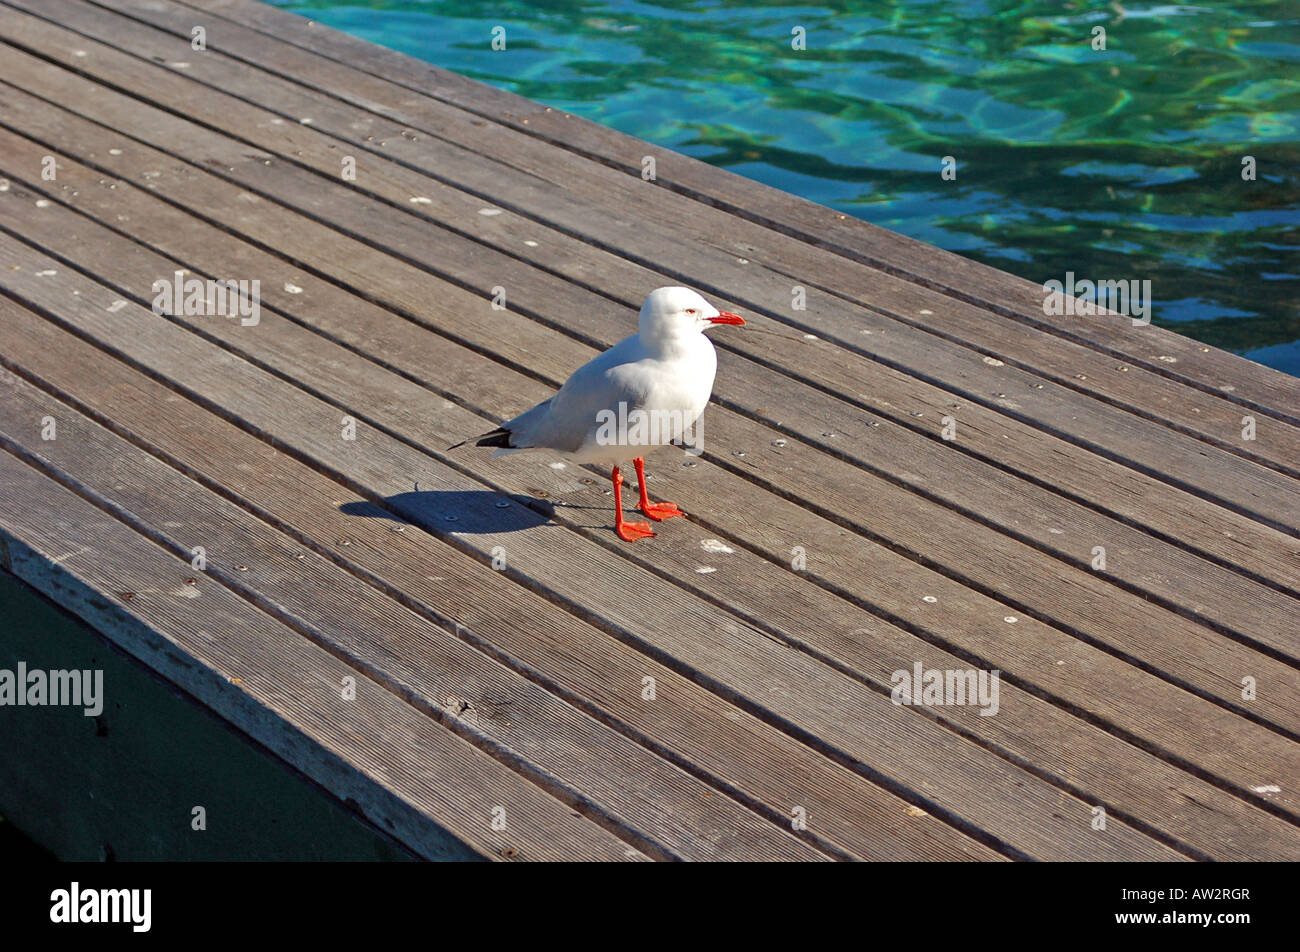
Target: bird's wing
{"points": [[563, 422]]}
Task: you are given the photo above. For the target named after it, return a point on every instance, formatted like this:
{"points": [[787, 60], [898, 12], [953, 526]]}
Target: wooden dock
{"points": [[458, 648]]}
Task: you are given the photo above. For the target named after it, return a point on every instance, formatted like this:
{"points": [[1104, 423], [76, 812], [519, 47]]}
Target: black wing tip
{"points": [[500, 437]]}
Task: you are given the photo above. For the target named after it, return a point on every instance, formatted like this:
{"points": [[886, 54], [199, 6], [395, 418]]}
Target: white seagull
{"points": [[646, 391]]}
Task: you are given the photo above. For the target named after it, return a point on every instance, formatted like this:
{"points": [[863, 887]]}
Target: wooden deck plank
{"points": [[952, 616], [567, 655], [1201, 666], [648, 802], [1121, 688], [451, 206], [1212, 371], [975, 429], [1207, 524], [1073, 366], [1042, 726], [1152, 568], [953, 777], [1070, 365], [413, 778], [1158, 452]]}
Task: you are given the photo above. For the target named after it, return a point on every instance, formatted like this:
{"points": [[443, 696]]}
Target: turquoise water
{"points": [[1116, 164]]}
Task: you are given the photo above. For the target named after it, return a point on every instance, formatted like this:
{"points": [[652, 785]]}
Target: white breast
{"points": [[670, 392]]}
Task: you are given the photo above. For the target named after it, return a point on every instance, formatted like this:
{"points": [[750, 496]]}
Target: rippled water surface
{"points": [[1119, 164]]}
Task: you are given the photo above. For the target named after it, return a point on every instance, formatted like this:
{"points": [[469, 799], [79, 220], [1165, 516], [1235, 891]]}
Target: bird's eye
{"points": [[690, 310]]}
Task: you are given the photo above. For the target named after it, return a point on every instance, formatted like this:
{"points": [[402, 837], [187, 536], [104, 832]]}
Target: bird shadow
{"points": [[473, 511]]}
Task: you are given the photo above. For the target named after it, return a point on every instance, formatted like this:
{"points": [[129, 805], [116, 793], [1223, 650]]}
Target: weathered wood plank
{"points": [[570, 656], [958, 614], [1073, 366], [1119, 687], [649, 802], [1167, 455], [1260, 615], [1211, 371], [1171, 576], [409, 775], [951, 776], [1044, 535], [1123, 779]]}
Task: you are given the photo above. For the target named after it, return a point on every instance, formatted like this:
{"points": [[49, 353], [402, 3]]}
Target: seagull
{"points": [[646, 391]]}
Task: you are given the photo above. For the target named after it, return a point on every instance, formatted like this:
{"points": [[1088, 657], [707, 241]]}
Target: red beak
{"points": [[726, 317]]}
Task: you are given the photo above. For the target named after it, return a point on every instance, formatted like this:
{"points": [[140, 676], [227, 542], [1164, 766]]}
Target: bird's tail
{"points": [[500, 437]]}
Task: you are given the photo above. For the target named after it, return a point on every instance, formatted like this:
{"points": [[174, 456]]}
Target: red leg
{"points": [[627, 531], [658, 511]]}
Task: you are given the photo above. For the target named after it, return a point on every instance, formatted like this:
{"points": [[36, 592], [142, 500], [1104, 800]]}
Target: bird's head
{"points": [[673, 312]]}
